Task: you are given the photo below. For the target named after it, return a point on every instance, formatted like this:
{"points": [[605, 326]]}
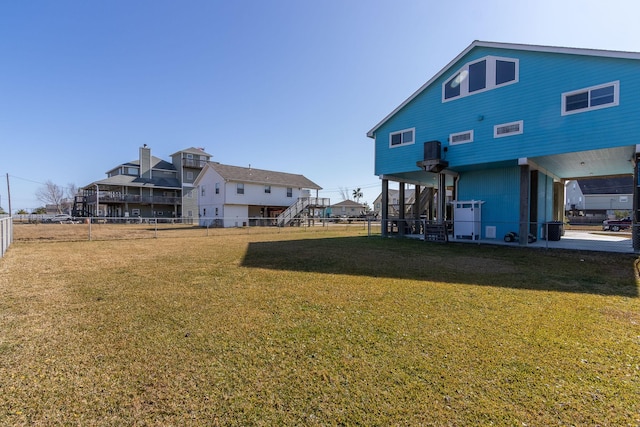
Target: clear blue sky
{"points": [[287, 85]]}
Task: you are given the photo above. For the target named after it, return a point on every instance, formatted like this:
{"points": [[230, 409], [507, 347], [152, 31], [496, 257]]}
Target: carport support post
{"points": [[385, 206], [525, 185], [401, 211], [635, 219]]}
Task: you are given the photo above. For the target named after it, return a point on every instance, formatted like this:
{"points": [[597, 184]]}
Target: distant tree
{"points": [[40, 211], [22, 212], [72, 190], [357, 194], [51, 194], [2, 212]]}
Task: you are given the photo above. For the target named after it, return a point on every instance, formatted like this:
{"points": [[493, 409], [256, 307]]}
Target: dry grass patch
{"points": [[315, 328]]}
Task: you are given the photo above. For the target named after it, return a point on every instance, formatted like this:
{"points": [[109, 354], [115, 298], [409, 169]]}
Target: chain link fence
{"points": [[118, 228]]}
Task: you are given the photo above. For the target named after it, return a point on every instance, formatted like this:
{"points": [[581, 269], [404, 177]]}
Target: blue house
{"points": [[503, 127]]}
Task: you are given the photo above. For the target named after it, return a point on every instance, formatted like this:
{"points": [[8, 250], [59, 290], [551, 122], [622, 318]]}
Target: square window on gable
{"points": [[403, 137], [477, 76], [591, 98], [505, 71]]}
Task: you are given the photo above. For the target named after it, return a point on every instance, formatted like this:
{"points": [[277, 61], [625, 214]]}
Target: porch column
{"points": [[558, 201], [385, 207], [401, 210], [525, 180]]}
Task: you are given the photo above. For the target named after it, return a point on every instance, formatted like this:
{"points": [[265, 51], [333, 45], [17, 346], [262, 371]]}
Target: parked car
{"points": [[60, 218], [616, 224]]}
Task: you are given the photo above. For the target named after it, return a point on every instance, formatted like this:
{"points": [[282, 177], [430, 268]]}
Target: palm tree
{"points": [[357, 194]]}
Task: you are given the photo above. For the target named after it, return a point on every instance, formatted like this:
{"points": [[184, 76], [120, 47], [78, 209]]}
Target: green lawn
{"points": [[316, 328]]}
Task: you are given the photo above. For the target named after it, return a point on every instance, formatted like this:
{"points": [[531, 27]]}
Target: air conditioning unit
{"points": [[432, 161], [432, 150]]}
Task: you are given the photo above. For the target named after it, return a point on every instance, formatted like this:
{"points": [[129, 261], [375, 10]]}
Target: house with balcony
{"points": [[503, 127], [234, 196], [147, 187]]}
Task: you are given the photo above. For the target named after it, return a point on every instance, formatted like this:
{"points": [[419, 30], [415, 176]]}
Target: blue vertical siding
{"points": [[499, 189]]}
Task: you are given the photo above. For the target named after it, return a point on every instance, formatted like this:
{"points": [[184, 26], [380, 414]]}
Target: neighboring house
{"points": [[146, 187], [234, 196], [599, 198], [348, 208], [503, 126]]}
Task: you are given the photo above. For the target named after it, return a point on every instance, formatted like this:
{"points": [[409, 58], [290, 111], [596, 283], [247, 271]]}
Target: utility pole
{"points": [[9, 194]]}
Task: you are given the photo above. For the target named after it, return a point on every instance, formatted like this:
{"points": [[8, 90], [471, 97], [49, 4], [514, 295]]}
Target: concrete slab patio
{"points": [[575, 240]]}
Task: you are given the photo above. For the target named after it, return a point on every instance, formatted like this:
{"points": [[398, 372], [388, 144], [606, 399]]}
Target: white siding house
{"points": [[233, 196]]}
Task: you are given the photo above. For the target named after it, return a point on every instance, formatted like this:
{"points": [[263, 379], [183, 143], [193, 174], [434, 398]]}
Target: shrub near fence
{"points": [[6, 234]]}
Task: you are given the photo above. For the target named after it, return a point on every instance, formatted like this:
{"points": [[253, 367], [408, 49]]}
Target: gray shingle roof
{"points": [[134, 181], [615, 185], [260, 176]]}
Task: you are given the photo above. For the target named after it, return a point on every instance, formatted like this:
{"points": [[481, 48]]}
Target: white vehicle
{"points": [[60, 218]]}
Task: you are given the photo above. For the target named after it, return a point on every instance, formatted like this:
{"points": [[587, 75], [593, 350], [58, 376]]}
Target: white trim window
{"points": [[461, 137], [508, 129], [480, 76], [591, 98], [240, 188], [402, 137], [267, 189]]}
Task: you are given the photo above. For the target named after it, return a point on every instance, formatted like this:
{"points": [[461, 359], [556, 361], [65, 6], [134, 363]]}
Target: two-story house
{"points": [[504, 126], [146, 187], [594, 200], [234, 196]]}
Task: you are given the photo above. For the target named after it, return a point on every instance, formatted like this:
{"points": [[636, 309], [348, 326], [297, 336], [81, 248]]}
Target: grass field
{"points": [[299, 327]]}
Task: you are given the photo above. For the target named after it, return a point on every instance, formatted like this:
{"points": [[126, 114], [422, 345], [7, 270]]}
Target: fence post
{"points": [[89, 221]]}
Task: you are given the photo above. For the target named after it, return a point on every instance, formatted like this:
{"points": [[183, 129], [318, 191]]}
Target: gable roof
{"points": [[156, 163], [260, 176], [511, 46], [348, 204], [193, 150]]}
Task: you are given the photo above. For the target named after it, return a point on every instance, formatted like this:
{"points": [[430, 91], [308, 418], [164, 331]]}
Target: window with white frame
{"points": [[189, 176], [481, 75], [217, 188], [591, 98], [461, 137], [289, 192], [202, 190], [267, 189], [402, 137], [240, 188], [508, 129]]}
